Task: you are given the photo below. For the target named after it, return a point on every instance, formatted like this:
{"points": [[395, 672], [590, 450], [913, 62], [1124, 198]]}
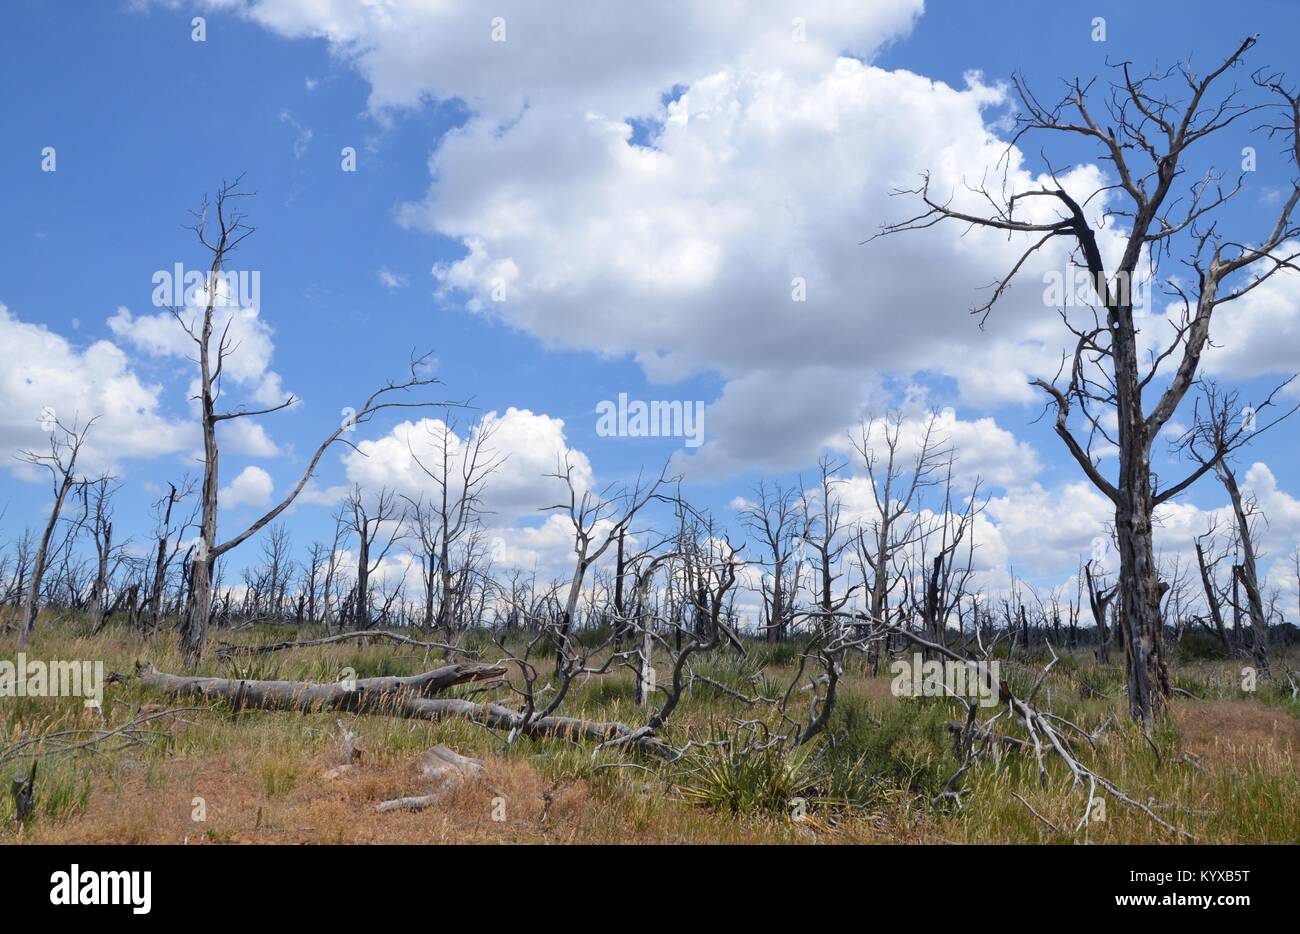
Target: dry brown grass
{"points": [[1220, 730], [1226, 767]]}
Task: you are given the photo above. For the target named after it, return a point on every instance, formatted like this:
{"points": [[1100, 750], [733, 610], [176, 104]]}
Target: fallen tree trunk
{"points": [[413, 803], [359, 695], [400, 697], [229, 650]]}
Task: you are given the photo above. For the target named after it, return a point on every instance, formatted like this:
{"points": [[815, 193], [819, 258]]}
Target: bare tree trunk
{"points": [[1247, 571], [32, 603], [64, 475], [1211, 597], [1139, 587], [100, 591]]}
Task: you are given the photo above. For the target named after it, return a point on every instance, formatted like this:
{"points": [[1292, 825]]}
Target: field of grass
{"points": [[1224, 767]]}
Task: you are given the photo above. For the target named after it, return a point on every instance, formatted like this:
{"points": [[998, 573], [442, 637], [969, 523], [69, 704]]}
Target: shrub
{"points": [[731, 775], [1199, 646]]}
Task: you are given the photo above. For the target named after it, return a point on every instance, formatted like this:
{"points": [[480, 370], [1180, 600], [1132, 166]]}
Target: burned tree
{"points": [[97, 522], [894, 525], [1247, 515], [61, 462], [368, 521], [454, 509], [774, 520], [824, 533], [1151, 123], [220, 227], [598, 520]]}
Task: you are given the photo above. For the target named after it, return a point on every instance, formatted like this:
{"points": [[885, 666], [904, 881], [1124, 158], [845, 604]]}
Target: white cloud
{"points": [[529, 446], [251, 487], [595, 56], [391, 280], [1258, 333], [249, 336], [304, 137], [45, 371], [688, 254]]}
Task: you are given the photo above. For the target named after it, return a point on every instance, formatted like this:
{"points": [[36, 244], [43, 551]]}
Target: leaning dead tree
{"points": [[1150, 125], [1220, 425], [221, 228], [61, 462]]}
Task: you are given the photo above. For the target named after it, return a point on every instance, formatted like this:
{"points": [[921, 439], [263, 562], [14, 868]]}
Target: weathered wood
{"points": [[445, 769], [364, 694], [413, 803], [393, 697]]}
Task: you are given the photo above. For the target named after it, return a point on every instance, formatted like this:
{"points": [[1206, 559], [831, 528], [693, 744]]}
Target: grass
{"points": [[1222, 767]]}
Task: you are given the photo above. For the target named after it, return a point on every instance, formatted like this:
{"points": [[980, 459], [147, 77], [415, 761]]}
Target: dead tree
{"points": [[1213, 596], [277, 568], [169, 538], [1146, 134], [598, 519], [459, 470], [1246, 512], [898, 485], [97, 521], [1099, 598], [1221, 426], [61, 462], [824, 534], [946, 553], [220, 228], [773, 520], [368, 521]]}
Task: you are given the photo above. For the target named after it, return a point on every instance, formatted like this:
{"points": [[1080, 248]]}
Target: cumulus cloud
{"points": [[251, 487], [249, 336], [594, 55], [669, 199], [527, 447], [46, 375], [732, 243], [699, 206]]}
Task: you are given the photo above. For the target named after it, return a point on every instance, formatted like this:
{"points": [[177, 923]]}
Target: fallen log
{"points": [[227, 650], [385, 697], [413, 803], [363, 694]]}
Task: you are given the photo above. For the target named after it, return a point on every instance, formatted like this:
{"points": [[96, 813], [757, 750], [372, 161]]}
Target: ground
{"points": [[1222, 767]]}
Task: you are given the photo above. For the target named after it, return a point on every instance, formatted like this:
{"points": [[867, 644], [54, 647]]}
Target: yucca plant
{"points": [[745, 770]]}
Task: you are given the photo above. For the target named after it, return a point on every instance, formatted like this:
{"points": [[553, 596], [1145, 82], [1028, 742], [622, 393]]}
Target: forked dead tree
{"points": [[221, 227], [1150, 125]]}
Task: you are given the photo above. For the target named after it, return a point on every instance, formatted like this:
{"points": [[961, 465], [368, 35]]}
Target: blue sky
{"points": [[659, 303]]}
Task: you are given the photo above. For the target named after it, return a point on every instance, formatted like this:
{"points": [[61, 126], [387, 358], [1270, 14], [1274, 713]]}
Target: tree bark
{"points": [[394, 697], [32, 603]]}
